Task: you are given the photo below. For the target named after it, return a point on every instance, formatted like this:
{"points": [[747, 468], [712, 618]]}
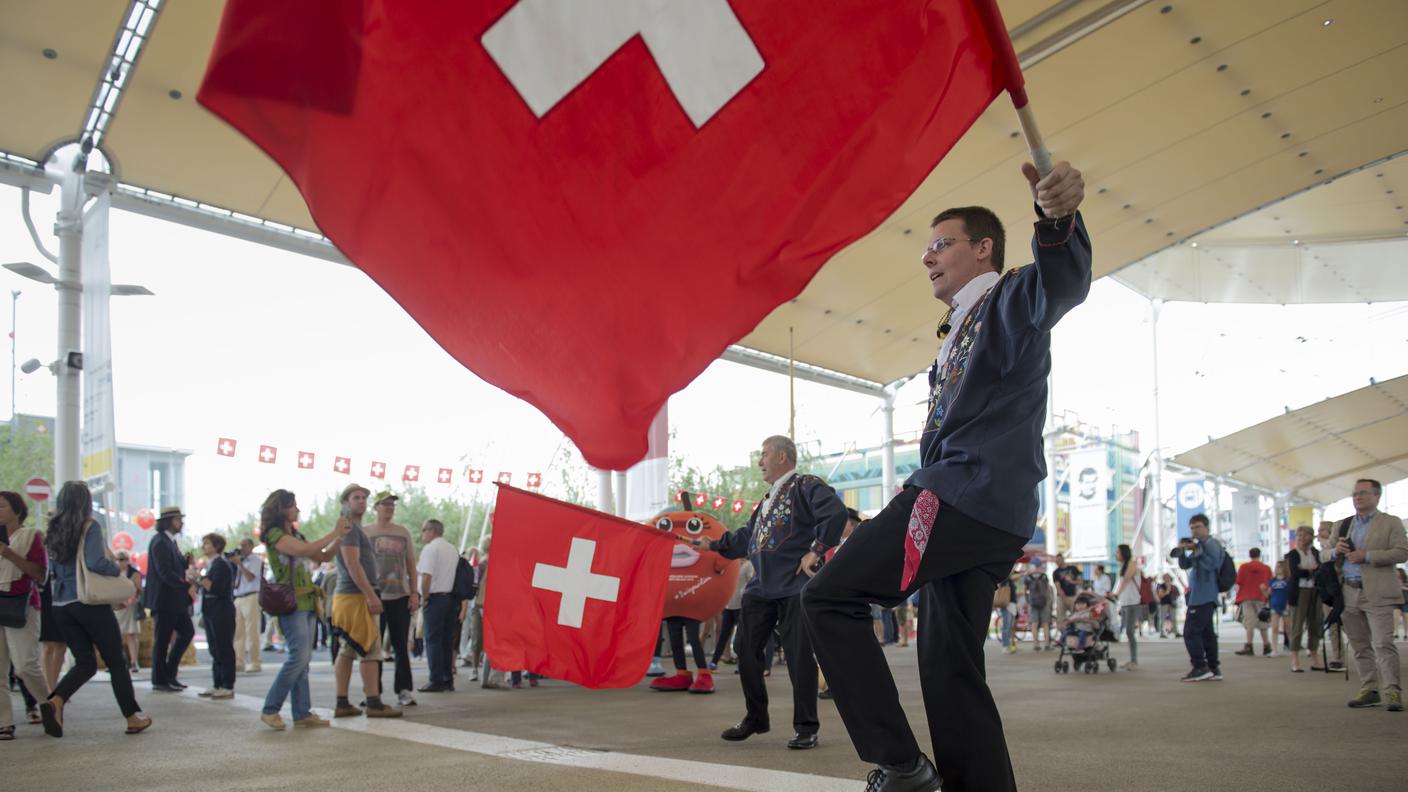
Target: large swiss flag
{"points": [[572, 593], [534, 180]]}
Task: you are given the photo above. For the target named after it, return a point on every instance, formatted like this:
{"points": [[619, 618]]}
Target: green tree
{"points": [[24, 454]]}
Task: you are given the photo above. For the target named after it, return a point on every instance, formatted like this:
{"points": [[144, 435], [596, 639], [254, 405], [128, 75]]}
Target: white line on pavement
{"points": [[706, 773]]}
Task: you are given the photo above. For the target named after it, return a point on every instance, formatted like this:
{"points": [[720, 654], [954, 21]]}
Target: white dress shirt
{"points": [[963, 302], [255, 565], [438, 559], [772, 494]]}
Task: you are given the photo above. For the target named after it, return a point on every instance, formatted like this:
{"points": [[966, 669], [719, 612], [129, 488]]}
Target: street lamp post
{"points": [[14, 325]]}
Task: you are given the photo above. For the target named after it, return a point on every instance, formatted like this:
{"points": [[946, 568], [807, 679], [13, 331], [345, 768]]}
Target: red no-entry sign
{"points": [[38, 489]]}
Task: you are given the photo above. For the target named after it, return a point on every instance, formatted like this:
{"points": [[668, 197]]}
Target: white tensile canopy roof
{"points": [[1316, 453], [1183, 114]]}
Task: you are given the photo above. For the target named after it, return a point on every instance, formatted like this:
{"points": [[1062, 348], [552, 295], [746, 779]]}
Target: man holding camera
{"points": [[251, 571], [1202, 556], [1370, 544]]}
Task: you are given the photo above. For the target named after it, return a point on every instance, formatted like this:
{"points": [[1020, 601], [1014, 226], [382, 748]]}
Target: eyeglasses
{"points": [[940, 245]]}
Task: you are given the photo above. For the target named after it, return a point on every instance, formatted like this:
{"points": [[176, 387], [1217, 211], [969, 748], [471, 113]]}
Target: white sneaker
{"points": [[208, 693], [405, 699], [222, 693]]}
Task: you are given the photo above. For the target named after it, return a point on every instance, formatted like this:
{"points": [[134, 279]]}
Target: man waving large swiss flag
{"points": [[533, 179], [574, 594]]}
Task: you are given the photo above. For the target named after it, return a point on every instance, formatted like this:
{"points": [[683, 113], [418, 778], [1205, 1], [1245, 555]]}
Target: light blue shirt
{"points": [[1358, 530]]}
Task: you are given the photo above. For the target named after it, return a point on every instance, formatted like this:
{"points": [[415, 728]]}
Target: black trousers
{"points": [[1200, 639], [679, 629], [726, 627], [166, 652], [85, 627], [759, 617], [219, 619], [396, 615], [957, 575], [441, 615]]}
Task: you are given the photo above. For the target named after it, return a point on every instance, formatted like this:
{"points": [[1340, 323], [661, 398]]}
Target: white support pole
{"points": [[887, 448], [1156, 460], [620, 477], [603, 491], [69, 229], [1049, 448]]}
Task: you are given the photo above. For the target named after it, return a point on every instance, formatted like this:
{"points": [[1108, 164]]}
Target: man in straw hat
{"points": [[356, 604], [168, 597]]}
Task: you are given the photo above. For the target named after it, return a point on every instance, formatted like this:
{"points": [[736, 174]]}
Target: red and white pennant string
{"points": [[410, 474]]}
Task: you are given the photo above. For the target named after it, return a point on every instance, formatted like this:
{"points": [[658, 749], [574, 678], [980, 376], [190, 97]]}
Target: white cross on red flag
{"points": [[226, 447], [804, 123], [342, 464], [701, 499], [738, 507], [445, 476], [412, 473], [505, 477], [679, 496], [475, 476], [378, 470], [576, 594], [719, 502], [305, 460], [535, 480], [268, 454]]}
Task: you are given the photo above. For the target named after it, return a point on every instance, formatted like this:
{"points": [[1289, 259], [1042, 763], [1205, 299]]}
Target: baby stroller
{"points": [[1085, 643]]}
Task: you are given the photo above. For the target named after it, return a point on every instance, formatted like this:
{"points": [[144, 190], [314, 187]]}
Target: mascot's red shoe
{"points": [[704, 683], [680, 681]]}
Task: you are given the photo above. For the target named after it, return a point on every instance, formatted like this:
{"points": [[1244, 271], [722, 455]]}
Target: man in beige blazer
{"points": [[1370, 545]]}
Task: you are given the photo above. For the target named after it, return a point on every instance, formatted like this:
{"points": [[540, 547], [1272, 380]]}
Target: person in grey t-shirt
{"points": [[356, 575]]}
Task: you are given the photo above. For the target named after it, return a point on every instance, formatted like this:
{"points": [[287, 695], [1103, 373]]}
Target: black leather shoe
{"points": [[923, 778], [177, 684], [434, 689], [801, 742], [742, 731], [162, 687]]}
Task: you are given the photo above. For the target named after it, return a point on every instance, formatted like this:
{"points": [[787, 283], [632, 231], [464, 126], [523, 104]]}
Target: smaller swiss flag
{"points": [[475, 476], [378, 470], [305, 460], [445, 476], [505, 477], [535, 480], [412, 473], [701, 499], [719, 502], [738, 507], [226, 447], [342, 464], [268, 454], [679, 496], [576, 594]]}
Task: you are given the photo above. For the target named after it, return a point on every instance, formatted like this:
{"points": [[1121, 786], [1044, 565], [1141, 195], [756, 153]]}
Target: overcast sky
{"points": [[270, 347]]}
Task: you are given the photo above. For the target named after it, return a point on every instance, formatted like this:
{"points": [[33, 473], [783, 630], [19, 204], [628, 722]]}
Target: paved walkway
{"points": [[1125, 731]]}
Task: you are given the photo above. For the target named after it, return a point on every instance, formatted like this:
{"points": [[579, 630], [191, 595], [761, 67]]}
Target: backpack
{"points": [[464, 587], [1038, 591], [1226, 574]]}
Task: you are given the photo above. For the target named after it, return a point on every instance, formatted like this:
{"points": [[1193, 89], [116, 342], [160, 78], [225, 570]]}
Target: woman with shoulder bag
{"points": [[130, 617], [1127, 597], [287, 549], [87, 585], [23, 565], [1301, 563]]}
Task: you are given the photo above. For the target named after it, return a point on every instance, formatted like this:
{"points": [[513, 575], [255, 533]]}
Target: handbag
{"points": [[13, 610], [278, 599], [95, 589]]}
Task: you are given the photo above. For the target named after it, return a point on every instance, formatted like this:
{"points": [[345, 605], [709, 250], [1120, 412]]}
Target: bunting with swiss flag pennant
{"points": [[226, 447], [342, 464], [268, 454], [445, 476], [504, 477], [305, 460], [378, 470], [412, 473], [535, 480], [475, 476]]}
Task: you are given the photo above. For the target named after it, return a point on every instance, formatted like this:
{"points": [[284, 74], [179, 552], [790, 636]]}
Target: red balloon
{"points": [[701, 584], [139, 560], [145, 519], [122, 541]]}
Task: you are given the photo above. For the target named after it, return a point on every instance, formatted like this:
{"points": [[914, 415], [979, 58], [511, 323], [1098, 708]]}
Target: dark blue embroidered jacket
{"points": [[985, 458], [817, 513]]}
